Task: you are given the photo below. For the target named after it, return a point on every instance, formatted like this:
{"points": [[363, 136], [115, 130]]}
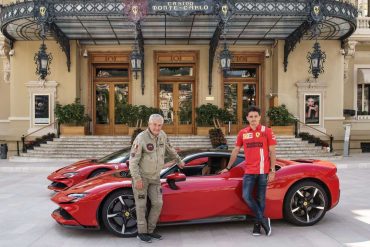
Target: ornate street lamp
{"points": [[316, 60], [136, 59], [225, 55], [43, 61], [225, 59]]}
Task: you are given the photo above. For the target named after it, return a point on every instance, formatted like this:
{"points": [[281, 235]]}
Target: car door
{"points": [[200, 197]]}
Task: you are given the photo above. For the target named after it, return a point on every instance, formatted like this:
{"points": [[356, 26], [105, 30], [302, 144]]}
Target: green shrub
{"points": [[206, 114], [72, 114], [132, 114], [280, 116]]}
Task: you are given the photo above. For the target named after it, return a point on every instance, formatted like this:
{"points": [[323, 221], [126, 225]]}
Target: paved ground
{"points": [[25, 219]]}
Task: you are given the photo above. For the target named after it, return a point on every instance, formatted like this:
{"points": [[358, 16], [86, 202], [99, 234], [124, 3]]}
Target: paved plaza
{"points": [[25, 216]]}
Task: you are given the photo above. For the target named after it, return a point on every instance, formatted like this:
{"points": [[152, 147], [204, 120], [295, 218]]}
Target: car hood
{"points": [[107, 180], [76, 166]]}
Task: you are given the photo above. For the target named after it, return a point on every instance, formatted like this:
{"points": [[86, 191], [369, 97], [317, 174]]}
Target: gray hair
{"points": [[155, 117]]}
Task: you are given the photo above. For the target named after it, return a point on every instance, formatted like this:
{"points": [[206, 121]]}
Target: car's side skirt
{"points": [[206, 220]]}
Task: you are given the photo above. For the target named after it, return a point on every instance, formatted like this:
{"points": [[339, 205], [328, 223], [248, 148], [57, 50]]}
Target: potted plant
{"points": [[208, 115], [72, 118], [281, 121]]}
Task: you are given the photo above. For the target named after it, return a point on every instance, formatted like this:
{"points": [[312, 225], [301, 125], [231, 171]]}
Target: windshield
{"points": [[119, 156]]}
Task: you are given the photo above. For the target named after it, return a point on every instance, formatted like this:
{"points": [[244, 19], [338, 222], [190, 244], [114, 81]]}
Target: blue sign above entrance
{"points": [[182, 8]]}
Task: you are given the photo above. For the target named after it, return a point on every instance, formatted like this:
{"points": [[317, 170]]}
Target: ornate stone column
{"points": [[311, 90], [42, 98]]}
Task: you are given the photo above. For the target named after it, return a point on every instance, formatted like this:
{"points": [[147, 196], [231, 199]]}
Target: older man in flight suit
{"points": [[146, 162]]}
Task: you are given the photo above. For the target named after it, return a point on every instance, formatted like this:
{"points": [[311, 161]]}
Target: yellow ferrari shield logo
{"points": [[258, 134], [224, 9], [316, 10], [42, 10], [135, 9]]}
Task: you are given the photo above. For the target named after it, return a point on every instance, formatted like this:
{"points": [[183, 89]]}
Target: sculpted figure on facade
{"points": [[5, 57]]}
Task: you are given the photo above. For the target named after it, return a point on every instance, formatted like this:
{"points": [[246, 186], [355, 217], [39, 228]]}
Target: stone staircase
{"points": [[82, 147]]}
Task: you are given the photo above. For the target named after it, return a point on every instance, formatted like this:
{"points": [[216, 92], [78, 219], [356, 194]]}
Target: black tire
{"points": [[116, 214], [305, 204], [97, 172]]}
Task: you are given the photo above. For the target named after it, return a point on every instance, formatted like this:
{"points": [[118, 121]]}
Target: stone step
{"points": [[86, 152], [82, 147]]}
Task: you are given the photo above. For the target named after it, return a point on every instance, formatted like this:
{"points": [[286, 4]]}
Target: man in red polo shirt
{"points": [[258, 143]]}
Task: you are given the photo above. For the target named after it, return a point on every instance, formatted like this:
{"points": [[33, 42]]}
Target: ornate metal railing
{"points": [[298, 123], [47, 137]]}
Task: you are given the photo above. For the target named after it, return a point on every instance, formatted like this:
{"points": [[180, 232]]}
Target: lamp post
{"points": [[136, 59], [43, 61], [316, 60], [225, 58]]}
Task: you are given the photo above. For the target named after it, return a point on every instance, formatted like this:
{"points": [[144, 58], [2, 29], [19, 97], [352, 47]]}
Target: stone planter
{"points": [[283, 130], [70, 130]]}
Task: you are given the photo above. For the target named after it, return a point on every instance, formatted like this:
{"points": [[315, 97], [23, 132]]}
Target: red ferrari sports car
{"points": [[73, 174], [301, 193]]}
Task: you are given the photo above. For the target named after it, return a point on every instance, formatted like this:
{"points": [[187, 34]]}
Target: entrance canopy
{"points": [[161, 22], [178, 22]]}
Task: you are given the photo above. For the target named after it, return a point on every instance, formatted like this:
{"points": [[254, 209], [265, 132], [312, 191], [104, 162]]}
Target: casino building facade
{"points": [[168, 55]]}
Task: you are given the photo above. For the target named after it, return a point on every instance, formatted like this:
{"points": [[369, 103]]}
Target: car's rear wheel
{"points": [[119, 214], [97, 172], [305, 203]]}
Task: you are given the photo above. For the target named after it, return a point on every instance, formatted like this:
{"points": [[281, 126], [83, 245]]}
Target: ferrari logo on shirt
{"points": [[258, 134], [247, 136]]}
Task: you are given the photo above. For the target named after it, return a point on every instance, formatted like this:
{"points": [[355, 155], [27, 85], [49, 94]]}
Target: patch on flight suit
{"points": [[150, 146], [141, 196], [258, 134]]}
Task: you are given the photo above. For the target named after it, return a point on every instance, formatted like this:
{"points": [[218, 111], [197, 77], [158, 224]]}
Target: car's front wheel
{"points": [[305, 203], [119, 214]]}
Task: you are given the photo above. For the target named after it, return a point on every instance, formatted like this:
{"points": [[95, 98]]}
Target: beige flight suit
{"points": [[146, 162]]}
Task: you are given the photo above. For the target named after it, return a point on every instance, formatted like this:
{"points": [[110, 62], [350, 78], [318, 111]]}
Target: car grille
{"points": [[65, 214]]}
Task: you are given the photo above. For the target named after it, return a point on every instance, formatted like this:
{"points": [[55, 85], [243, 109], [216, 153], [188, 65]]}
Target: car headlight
{"points": [[69, 174], [76, 196]]}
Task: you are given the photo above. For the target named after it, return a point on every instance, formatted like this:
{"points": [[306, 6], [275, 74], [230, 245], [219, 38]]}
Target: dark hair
{"points": [[254, 109]]}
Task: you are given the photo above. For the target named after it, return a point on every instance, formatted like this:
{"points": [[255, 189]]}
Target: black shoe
{"points": [[266, 226], [257, 229], [144, 237], [155, 236]]}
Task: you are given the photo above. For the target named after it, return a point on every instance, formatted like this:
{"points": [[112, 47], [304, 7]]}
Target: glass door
{"points": [[166, 105], [110, 99], [240, 92], [111, 94], [176, 104], [184, 111]]}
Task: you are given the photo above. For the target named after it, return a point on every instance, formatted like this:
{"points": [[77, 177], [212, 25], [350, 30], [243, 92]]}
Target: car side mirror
{"points": [[175, 177]]}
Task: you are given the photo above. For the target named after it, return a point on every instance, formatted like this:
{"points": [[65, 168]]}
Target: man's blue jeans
{"points": [[249, 182]]}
